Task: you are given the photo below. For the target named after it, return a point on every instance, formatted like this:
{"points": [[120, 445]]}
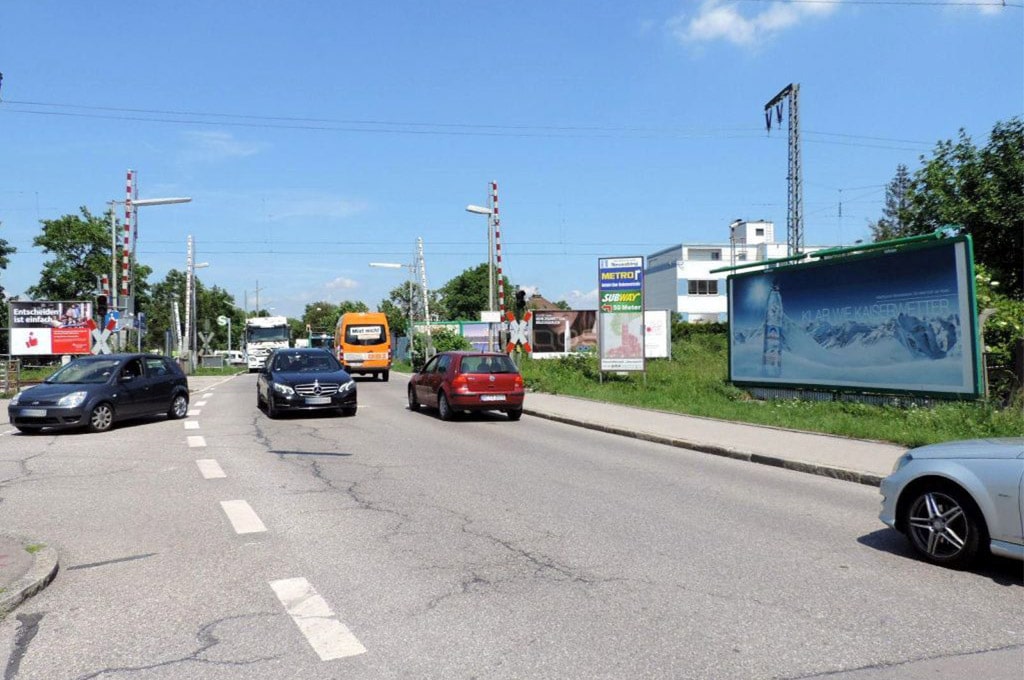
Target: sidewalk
{"points": [[26, 568], [864, 462]]}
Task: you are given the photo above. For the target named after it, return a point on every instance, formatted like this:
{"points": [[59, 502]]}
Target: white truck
{"points": [[263, 334]]}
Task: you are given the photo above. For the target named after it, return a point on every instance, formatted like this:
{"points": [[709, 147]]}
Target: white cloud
{"points": [[578, 299], [720, 20], [342, 283], [213, 147]]}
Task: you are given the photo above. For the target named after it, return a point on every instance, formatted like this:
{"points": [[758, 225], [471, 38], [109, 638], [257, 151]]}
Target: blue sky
{"points": [[317, 137]]}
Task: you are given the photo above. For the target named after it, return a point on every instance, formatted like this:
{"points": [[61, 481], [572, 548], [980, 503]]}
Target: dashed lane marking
{"points": [[196, 442], [329, 637], [243, 518], [207, 395], [210, 469], [200, 403], [194, 412], [191, 424]]}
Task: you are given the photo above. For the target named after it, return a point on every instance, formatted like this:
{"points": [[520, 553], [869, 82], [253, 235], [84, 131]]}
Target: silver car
{"points": [[956, 500]]}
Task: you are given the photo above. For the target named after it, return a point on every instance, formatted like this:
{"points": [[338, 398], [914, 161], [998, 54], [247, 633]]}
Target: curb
{"points": [[45, 565], [843, 474]]}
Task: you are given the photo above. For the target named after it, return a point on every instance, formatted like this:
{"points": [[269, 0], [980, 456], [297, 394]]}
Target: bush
{"points": [[443, 340]]}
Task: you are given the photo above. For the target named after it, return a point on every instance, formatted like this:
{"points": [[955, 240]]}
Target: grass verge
{"points": [[694, 382]]}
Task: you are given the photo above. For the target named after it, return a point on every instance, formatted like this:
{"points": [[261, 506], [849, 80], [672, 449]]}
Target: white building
{"points": [[680, 279]]}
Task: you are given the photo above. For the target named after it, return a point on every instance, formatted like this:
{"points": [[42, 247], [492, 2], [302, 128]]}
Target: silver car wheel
{"points": [[179, 406], [939, 526], [101, 418]]}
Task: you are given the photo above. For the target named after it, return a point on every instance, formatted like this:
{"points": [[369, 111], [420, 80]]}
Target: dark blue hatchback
{"points": [[94, 392]]}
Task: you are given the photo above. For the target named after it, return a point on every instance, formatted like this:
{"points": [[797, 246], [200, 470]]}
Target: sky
{"points": [[317, 137]]}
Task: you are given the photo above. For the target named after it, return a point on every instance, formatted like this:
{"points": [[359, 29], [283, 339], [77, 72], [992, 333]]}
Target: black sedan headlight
{"points": [[345, 387], [284, 390]]}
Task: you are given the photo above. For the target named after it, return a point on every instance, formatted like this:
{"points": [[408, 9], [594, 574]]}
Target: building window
{"points": [[716, 254], [698, 287], [742, 257], [759, 231]]}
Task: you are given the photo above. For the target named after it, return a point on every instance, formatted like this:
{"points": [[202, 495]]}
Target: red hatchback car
{"points": [[468, 381]]}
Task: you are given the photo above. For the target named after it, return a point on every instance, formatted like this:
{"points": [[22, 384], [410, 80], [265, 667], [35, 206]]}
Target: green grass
{"points": [[694, 382], [34, 548]]}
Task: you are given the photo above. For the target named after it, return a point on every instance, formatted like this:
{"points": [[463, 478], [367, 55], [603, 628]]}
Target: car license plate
{"points": [[492, 397], [317, 401], [33, 413]]}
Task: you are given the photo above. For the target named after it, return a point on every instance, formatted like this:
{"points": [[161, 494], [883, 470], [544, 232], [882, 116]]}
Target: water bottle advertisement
{"points": [[900, 320]]}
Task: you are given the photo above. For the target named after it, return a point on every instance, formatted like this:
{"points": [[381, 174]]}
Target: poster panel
{"points": [[899, 320], [557, 332], [477, 334], [42, 327], [657, 334], [622, 341]]}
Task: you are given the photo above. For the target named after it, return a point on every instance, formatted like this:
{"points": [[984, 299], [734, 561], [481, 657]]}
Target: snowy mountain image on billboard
{"points": [[893, 321]]}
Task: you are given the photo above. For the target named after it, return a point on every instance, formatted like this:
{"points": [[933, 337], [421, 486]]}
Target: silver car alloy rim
{"points": [[938, 525], [102, 417], [180, 406]]}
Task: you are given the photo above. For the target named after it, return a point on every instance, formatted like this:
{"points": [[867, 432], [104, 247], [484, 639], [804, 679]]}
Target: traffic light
{"points": [[520, 300], [101, 305]]}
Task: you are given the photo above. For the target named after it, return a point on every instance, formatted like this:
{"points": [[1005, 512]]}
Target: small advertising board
{"points": [[41, 328], [890, 320], [557, 332], [620, 292]]}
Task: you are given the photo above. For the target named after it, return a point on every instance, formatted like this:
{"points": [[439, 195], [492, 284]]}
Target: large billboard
{"points": [[620, 292], [557, 331], [896, 320], [39, 328]]}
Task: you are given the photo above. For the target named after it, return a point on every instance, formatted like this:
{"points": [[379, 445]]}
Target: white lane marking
{"points": [[191, 424], [210, 468], [329, 637], [207, 395], [196, 442], [194, 412], [243, 518], [200, 403]]}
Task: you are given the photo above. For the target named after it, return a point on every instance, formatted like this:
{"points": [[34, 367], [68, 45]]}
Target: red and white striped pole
{"points": [[126, 275], [105, 286], [497, 247]]}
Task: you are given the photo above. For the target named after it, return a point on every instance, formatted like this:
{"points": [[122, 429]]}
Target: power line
{"points": [[905, 3], [421, 128]]}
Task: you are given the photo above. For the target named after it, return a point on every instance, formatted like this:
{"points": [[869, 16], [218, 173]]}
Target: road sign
{"points": [[222, 320], [205, 338]]}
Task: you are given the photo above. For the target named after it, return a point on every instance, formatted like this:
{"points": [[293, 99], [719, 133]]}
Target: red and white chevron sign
{"points": [[101, 335], [519, 332]]}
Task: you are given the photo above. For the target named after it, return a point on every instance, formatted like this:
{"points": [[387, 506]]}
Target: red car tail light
{"points": [[460, 383]]}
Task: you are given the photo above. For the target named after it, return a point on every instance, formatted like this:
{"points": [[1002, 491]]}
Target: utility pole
{"points": [[421, 263], [794, 179], [258, 289]]}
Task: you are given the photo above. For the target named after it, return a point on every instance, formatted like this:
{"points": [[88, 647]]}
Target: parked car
{"points": [[94, 392], [304, 379], [959, 499], [468, 381], [232, 357]]}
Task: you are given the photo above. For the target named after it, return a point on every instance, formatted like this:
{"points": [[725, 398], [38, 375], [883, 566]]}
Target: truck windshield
{"points": [[266, 334]]}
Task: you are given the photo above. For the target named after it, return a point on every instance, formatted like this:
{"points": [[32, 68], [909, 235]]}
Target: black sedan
{"points": [[304, 379], [94, 392]]}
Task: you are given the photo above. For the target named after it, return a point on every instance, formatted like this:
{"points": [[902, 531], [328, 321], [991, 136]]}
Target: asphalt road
{"points": [[393, 545]]}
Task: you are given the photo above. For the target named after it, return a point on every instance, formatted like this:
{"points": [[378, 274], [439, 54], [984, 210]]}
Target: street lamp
{"points": [[193, 316], [480, 210], [412, 272], [134, 205]]}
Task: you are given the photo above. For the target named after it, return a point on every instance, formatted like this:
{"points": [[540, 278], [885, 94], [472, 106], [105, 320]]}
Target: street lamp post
{"points": [[480, 210], [412, 272], [131, 208]]}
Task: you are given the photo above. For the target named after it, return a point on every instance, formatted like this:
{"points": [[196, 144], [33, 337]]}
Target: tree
{"points": [[5, 252], [346, 306], [896, 196], [562, 304], [321, 316], [81, 248], [211, 303], [978, 191], [465, 296], [406, 296]]}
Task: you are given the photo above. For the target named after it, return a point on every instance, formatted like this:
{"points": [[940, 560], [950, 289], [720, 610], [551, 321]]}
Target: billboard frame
{"points": [[823, 259]]}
